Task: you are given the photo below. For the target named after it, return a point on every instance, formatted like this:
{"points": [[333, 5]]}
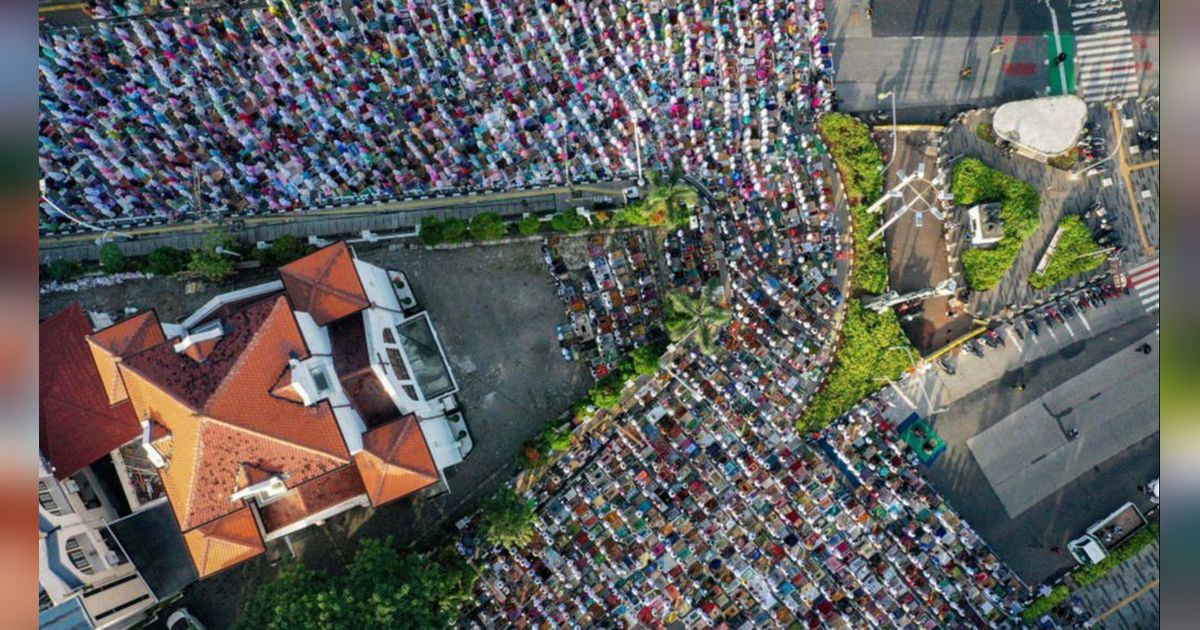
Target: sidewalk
{"points": [[935, 389]]}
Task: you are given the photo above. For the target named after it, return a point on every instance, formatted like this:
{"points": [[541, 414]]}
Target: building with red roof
{"points": [[272, 407]]}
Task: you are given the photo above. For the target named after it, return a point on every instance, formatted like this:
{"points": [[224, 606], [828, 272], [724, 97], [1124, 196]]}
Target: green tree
{"points": [[570, 221], [283, 250], [382, 588], [209, 264], [529, 226], [508, 519], [975, 182], [64, 270], [670, 200], [558, 440], [634, 214], [431, 230], [454, 231], [701, 314], [166, 261], [487, 226], [645, 359], [112, 259], [1077, 252]]}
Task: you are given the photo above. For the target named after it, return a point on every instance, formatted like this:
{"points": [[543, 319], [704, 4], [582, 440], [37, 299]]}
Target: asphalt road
{"points": [[918, 48], [982, 18]]}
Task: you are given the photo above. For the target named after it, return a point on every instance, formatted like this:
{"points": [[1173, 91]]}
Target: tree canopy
{"points": [[860, 163], [487, 226], [508, 519], [209, 264], [382, 588], [1077, 252], [685, 314]]}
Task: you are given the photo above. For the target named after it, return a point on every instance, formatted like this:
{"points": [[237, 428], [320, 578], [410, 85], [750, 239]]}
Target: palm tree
{"points": [[700, 315], [670, 199]]}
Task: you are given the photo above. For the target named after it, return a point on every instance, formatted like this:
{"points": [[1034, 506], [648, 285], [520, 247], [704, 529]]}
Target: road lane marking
{"points": [[1068, 325], [1011, 334], [1052, 333], [1085, 322]]}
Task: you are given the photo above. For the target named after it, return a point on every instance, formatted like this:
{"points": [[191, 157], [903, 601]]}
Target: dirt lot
{"points": [[495, 311]]}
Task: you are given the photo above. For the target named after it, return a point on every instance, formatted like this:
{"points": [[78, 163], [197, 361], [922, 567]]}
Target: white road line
{"points": [[1083, 319], [1094, 20], [1115, 74], [1103, 56], [1096, 44], [1052, 333], [1099, 36], [1068, 325], [1011, 334]]}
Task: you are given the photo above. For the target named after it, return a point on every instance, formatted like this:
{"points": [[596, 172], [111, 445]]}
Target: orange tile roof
{"points": [[224, 542], [283, 387], [122, 339], [221, 413], [311, 497], [325, 284], [395, 460], [76, 422]]}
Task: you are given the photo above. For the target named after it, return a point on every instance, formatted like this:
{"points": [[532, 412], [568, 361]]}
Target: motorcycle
{"points": [[974, 348], [1031, 324], [1017, 330], [995, 336], [1084, 303], [946, 364], [1066, 309]]}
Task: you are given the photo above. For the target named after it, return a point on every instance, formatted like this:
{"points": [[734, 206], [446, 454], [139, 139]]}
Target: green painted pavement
{"points": [[1055, 77]]}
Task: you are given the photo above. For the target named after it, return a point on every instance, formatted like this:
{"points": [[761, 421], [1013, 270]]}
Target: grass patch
{"points": [[1071, 257], [860, 163], [861, 364], [986, 133], [974, 182]]}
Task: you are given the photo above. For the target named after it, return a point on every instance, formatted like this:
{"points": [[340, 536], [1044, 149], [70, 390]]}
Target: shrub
{"points": [[862, 363], [568, 222], [64, 270], [1045, 604], [1066, 161], [454, 231], [974, 182], [861, 165], [208, 263], [1088, 574], [283, 250], [112, 259], [431, 230], [166, 261], [856, 154], [528, 226], [985, 133], [645, 359], [487, 226], [1074, 255]]}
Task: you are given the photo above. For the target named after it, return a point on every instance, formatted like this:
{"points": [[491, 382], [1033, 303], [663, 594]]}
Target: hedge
{"points": [[1043, 605], [974, 182], [859, 161], [861, 362], [1071, 257]]}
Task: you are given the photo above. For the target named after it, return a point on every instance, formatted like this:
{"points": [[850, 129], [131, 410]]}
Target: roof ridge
{"points": [[255, 339]]}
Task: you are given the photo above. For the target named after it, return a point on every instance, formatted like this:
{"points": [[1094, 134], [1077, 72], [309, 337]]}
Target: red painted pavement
{"points": [[1020, 69]]}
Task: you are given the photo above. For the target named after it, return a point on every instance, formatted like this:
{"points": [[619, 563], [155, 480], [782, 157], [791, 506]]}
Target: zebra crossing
{"points": [[1143, 279], [1104, 55]]}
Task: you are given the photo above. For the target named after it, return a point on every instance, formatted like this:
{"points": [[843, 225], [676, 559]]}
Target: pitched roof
{"points": [[224, 542], [325, 284], [395, 460], [76, 423], [221, 413], [311, 497], [124, 338]]}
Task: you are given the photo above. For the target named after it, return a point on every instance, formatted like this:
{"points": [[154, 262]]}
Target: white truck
{"points": [[1107, 534]]}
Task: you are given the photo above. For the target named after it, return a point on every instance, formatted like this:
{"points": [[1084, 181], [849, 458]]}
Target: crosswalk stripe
{"points": [[1103, 57], [1149, 264], [1095, 36], [1112, 40], [1149, 294], [1095, 20], [1113, 76]]}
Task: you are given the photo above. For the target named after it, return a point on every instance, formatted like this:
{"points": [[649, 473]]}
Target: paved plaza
{"points": [[1030, 453]]}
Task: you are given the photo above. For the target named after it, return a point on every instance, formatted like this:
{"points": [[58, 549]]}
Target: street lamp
{"points": [[892, 95]]}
